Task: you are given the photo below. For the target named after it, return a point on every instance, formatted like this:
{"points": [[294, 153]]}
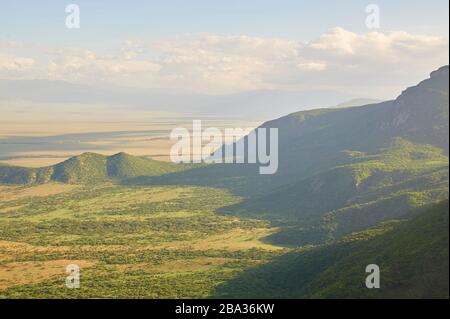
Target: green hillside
{"points": [[369, 189], [85, 168], [345, 169], [88, 168], [413, 257], [123, 165]]}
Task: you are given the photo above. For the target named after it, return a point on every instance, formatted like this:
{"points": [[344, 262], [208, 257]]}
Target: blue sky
{"points": [[227, 46], [107, 22]]}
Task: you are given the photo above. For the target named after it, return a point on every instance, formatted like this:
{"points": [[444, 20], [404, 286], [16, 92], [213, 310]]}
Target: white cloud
{"points": [[13, 63], [223, 64], [337, 40], [367, 64], [392, 47], [313, 66], [88, 66]]}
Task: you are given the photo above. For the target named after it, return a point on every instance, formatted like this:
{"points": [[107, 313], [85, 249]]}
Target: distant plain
{"points": [[41, 134]]}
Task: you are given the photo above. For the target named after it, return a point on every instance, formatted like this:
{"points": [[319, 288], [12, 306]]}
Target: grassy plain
{"points": [[131, 242]]}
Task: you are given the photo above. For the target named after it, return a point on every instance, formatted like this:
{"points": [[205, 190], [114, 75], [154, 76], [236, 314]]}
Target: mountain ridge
{"points": [[343, 170]]}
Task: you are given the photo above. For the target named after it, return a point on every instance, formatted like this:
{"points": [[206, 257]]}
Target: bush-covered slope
{"points": [[368, 189], [123, 165], [88, 168], [344, 170], [413, 257]]}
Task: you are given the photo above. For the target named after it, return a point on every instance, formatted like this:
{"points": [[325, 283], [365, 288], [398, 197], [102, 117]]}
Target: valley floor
{"points": [[129, 242]]}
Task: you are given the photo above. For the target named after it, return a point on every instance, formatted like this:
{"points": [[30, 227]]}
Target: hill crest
{"points": [[87, 168]]}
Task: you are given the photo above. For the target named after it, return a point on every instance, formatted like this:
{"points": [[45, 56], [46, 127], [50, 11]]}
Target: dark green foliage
{"points": [[86, 168], [123, 165], [369, 189], [413, 258], [107, 281], [89, 168]]}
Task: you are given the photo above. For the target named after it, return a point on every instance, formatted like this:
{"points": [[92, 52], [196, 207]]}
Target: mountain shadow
{"points": [[413, 258]]}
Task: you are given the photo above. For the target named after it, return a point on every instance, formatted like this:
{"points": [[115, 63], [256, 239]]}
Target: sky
{"points": [[224, 47]]}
